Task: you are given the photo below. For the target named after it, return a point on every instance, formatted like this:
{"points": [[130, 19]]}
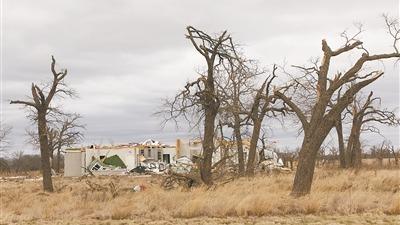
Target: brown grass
{"points": [[335, 193]]}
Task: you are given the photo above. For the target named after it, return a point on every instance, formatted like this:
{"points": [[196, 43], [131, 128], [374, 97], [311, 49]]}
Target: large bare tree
{"points": [[41, 104], [317, 124], [364, 113], [236, 91], [201, 96], [262, 103], [244, 104]]}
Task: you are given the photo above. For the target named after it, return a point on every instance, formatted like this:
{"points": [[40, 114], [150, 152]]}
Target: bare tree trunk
{"points": [[354, 146], [342, 153], [253, 147], [208, 146], [305, 168], [222, 146], [58, 160], [358, 153], [44, 152], [396, 158], [239, 145]]}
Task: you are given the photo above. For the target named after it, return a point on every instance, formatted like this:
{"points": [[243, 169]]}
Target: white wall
{"points": [[73, 163], [172, 153]]}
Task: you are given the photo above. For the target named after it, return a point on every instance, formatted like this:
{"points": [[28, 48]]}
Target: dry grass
{"points": [[336, 195]]}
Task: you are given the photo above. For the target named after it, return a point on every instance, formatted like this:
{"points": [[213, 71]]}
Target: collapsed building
{"points": [[149, 155], [115, 159]]}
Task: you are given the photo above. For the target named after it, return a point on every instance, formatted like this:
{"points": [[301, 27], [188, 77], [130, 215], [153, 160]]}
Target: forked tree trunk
{"points": [[44, 152]]}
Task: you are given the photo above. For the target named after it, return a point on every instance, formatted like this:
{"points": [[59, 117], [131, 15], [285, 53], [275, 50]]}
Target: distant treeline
{"points": [[20, 162]]}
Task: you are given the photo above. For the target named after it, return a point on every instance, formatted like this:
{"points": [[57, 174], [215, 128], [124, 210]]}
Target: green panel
{"points": [[114, 160]]}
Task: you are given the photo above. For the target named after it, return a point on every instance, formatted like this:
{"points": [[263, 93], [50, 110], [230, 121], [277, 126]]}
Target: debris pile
{"points": [[151, 166], [108, 165], [152, 143], [270, 165], [183, 165]]}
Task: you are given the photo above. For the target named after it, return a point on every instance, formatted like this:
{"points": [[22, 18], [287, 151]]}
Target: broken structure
{"points": [[148, 156]]}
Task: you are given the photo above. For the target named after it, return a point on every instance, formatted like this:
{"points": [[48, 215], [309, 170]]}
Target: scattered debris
{"points": [[21, 178], [269, 166], [175, 180], [183, 165], [114, 166], [138, 188], [153, 166], [151, 142], [138, 169], [112, 189]]}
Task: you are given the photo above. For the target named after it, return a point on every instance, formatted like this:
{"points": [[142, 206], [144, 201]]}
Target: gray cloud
{"points": [[124, 56]]}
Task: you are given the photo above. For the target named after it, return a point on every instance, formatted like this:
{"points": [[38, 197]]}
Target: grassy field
{"points": [[338, 197]]}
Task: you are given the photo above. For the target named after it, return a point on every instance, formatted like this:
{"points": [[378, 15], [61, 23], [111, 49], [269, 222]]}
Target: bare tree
{"points": [[263, 103], [235, 92], [381, 151], [63, 131], [339, 132], [201, 97], [395, 155], [41, 104], [5, 131], [18, 160], [317, 125], [246, 105], [364, 113]]}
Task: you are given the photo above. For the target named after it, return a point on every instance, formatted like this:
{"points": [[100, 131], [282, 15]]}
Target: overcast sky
{"points": [[124, 56]]}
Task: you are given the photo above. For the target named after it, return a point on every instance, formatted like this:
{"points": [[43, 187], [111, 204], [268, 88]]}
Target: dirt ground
{"points": [[273, 220]]}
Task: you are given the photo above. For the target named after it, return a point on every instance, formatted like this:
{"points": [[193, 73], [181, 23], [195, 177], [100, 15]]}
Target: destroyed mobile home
{"points": [[149, 157]]}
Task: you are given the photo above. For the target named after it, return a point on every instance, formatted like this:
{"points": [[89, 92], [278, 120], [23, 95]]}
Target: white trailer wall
{"points": [[73, 163]]}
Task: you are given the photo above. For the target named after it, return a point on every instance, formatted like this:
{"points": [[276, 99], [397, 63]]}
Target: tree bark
{"points": [[342, 153], [306, 164], [208, 146], [354, 145], [223, 147], [44, 152], [357, 152], [239, 145], [58, 160], [253, 148]]}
